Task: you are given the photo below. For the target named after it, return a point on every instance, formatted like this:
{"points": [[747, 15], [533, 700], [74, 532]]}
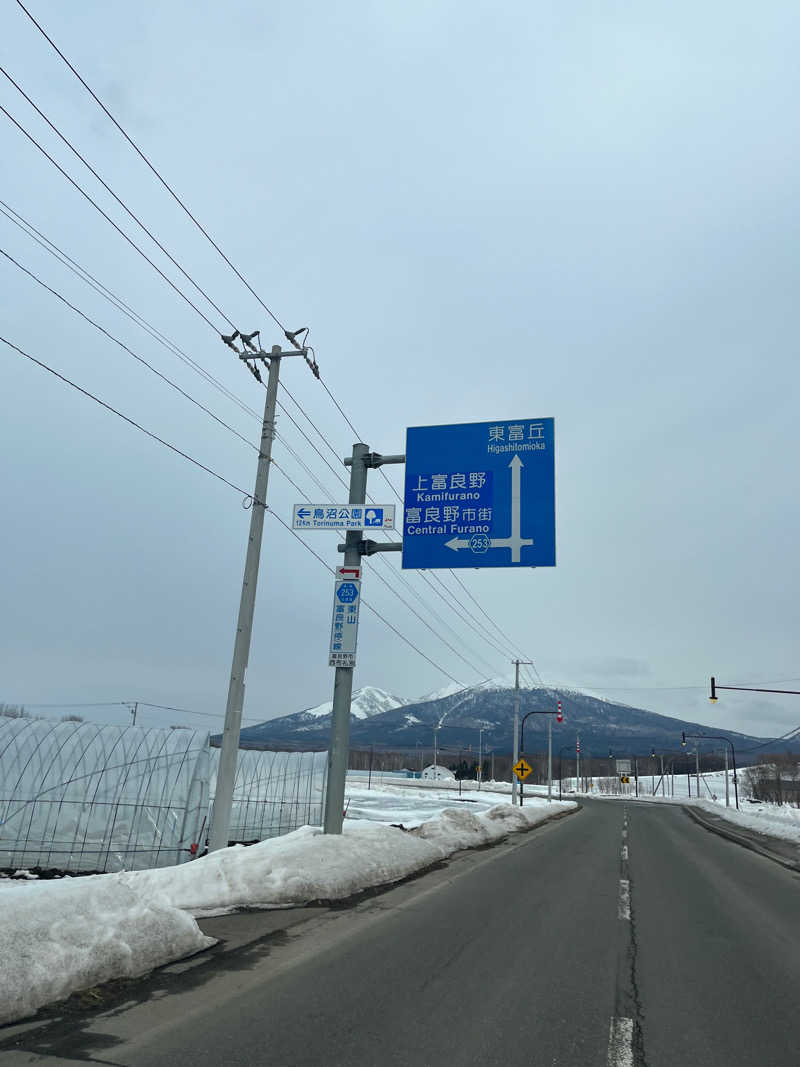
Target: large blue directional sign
{"points": [[480, 494]]}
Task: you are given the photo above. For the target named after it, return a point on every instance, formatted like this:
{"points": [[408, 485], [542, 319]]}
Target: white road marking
{"points": [[624, 853], [620, 1043], [624, 909]]}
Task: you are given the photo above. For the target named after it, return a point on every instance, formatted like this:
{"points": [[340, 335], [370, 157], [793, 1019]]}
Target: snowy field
{"points": [[60, 936]]}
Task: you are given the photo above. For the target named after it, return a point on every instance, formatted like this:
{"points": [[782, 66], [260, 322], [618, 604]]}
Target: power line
{"points": [[108, 219], [227, 482], [110, 191], [131, 422], [227, 260], [130, 351], [116, 301], [232, 430], [142, 156]]}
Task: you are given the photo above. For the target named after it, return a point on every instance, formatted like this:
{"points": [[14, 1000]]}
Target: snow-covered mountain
{"points": [[367, 702], [457, 715]]}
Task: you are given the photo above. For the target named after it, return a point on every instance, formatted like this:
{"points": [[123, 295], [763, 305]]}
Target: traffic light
{"points": [[683, 738], [559, 714], [713, 698]]}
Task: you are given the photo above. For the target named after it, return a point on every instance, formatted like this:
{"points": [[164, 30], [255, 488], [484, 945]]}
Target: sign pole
{"points": [[223, 799], [549, 759], [514, 784], [343, 682]]}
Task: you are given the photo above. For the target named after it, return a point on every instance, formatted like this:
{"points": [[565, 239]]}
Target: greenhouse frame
{"points": [[81, 797]]}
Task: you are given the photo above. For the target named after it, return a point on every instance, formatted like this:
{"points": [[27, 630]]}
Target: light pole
{"points": [[727, 740], [559, 718]]}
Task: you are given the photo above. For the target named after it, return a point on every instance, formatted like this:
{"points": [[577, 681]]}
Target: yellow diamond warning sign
{"points": [[522, 770]]}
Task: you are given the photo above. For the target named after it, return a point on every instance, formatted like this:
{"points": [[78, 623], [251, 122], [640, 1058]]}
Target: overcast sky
{"points": [[484, 212]]}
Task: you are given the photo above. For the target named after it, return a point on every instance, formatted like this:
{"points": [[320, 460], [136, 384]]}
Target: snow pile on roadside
{"points": [[57, 937], [780, 821], [308, 865], [287, 871], [60, 936]]}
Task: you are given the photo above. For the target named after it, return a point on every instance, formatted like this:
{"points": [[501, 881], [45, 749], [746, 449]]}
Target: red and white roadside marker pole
{"points": [[577, 763]]}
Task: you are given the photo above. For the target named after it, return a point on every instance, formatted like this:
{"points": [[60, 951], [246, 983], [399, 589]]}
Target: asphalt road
{"points": [[623, 935]]}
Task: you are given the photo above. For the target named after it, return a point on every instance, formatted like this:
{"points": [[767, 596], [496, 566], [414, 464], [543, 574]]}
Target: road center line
{"points": [[624, 907], [624, 853], [620, 1043]]}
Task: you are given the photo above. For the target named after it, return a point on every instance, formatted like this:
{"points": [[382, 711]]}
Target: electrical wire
{"points": [[130, 351], [178, 200], [168, 381], [154, 170], [216, 246], [108, 219], [226, 481], [110, 191]]}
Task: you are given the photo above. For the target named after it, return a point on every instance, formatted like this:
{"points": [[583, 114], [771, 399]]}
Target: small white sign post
{"points": [[344, 624]]}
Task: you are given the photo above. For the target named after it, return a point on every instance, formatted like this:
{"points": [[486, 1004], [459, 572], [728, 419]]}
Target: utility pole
{"points": [[134, 709], [697, 769], [727, 785], [480, 756], [435, 750], [343, 681], [549, 759], [514, 781], [223, 800], [354, 548]]}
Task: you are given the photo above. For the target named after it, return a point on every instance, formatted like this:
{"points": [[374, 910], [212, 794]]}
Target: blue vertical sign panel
{"points": [[480, 494]]}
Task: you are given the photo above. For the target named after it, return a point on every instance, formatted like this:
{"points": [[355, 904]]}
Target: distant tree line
{"points": [[18, 711]]}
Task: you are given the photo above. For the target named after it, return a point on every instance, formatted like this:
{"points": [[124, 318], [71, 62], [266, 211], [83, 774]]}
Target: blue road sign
{"points": [[347, 592], [480, 494]]}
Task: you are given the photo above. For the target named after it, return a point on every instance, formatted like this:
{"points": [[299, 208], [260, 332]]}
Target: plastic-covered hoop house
{"points": [[89, 797]]}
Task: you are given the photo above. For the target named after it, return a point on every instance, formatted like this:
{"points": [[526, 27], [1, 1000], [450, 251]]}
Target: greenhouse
{"points": [[79, 796]]}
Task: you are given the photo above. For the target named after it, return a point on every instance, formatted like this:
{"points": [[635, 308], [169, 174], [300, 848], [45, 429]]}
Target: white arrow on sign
{"points": [[515, 542]]}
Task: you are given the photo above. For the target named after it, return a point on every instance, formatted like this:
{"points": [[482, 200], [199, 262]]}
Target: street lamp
{"points": [[559, 718], [727, 740]]}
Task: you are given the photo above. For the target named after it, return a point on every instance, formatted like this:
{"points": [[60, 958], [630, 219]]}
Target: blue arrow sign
{"points": [[303, 513], [480, 495]]}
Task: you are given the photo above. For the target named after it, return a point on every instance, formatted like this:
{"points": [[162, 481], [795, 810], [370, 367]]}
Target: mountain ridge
{"points": [[386, 721]]}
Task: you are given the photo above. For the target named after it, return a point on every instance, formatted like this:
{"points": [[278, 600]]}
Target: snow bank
{"points": [[783, 821], [284, 872], [308, 865], [58, 937]]}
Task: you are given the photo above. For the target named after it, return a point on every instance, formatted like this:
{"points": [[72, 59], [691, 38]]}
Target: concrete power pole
{"points": [[343, 681], [223, 800]]}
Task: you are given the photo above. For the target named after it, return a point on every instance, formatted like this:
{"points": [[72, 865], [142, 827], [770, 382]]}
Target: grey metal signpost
{"points": [[354, 548]]}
